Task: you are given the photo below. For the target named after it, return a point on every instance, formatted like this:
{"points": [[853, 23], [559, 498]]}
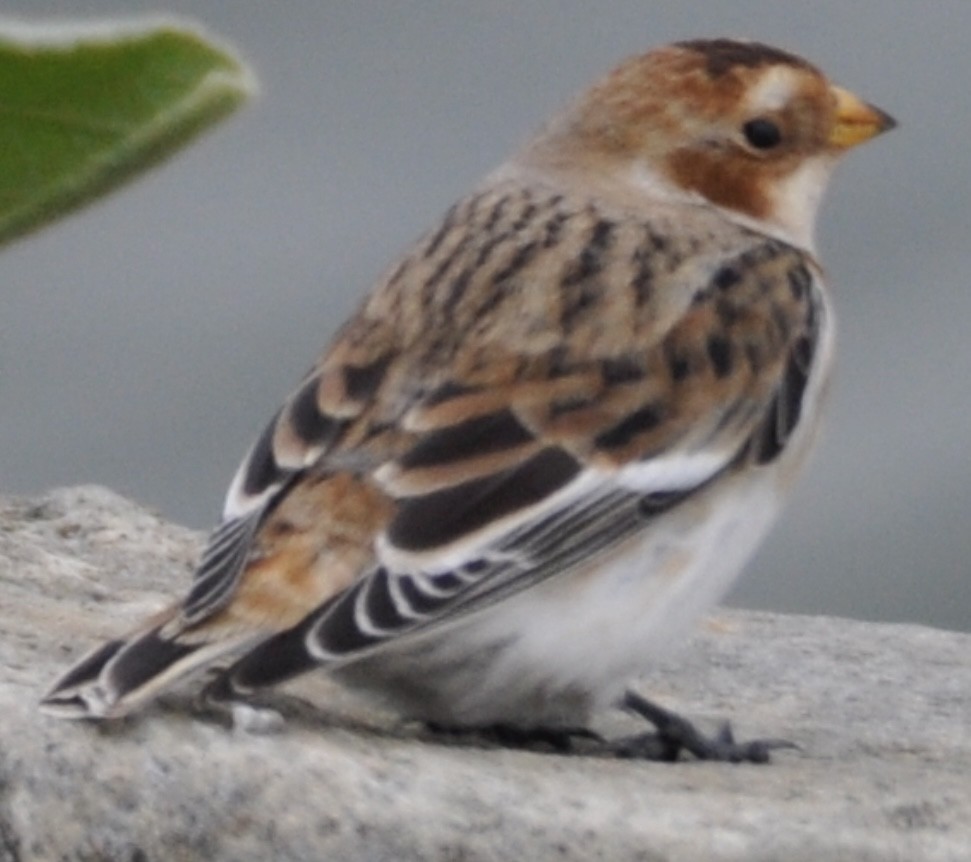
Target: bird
{"points": [[552, 434]]}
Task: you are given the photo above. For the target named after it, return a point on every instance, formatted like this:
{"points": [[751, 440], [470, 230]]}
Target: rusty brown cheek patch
{"points": [[729, 182]]}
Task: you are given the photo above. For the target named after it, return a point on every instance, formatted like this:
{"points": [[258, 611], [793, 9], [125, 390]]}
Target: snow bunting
{"points": [[554, 431]]}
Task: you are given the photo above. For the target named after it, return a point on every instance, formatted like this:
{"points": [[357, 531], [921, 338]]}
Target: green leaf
{"points": [[85, 107]]}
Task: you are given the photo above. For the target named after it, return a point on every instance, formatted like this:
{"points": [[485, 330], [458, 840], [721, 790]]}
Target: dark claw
{"points": [[675, 734]]}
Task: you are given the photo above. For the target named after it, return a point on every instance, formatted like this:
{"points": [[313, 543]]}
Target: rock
{"points": [[880, 713]]}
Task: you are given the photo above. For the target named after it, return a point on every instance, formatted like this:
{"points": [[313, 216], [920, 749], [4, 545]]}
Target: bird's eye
{"points": [[762, 134]]}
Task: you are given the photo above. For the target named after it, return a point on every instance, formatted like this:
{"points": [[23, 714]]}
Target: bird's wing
{"points": [[498, 493], [465, 467]]}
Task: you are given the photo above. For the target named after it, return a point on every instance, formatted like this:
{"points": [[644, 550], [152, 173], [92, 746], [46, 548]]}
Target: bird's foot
{"points": [[675, 734]]}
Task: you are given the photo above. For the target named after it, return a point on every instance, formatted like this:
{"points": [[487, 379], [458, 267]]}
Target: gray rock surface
{"points": [[881, 713]]}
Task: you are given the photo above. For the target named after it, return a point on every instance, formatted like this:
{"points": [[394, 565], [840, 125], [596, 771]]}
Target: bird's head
{"points": [[747, 127]]}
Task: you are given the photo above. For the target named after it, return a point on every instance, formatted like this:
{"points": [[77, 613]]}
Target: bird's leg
{"points": [[675, 734]]}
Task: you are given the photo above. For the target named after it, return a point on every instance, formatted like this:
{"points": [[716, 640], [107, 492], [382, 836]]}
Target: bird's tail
{"points": [[123, 674]]}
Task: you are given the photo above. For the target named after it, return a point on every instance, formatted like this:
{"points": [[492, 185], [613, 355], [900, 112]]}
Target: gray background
{"points": [[144, 342]]}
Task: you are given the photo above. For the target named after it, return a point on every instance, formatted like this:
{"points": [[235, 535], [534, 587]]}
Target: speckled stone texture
{"points": [[881, 713]]}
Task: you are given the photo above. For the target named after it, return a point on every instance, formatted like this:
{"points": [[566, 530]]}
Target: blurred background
{"points": [[144, 342]]}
